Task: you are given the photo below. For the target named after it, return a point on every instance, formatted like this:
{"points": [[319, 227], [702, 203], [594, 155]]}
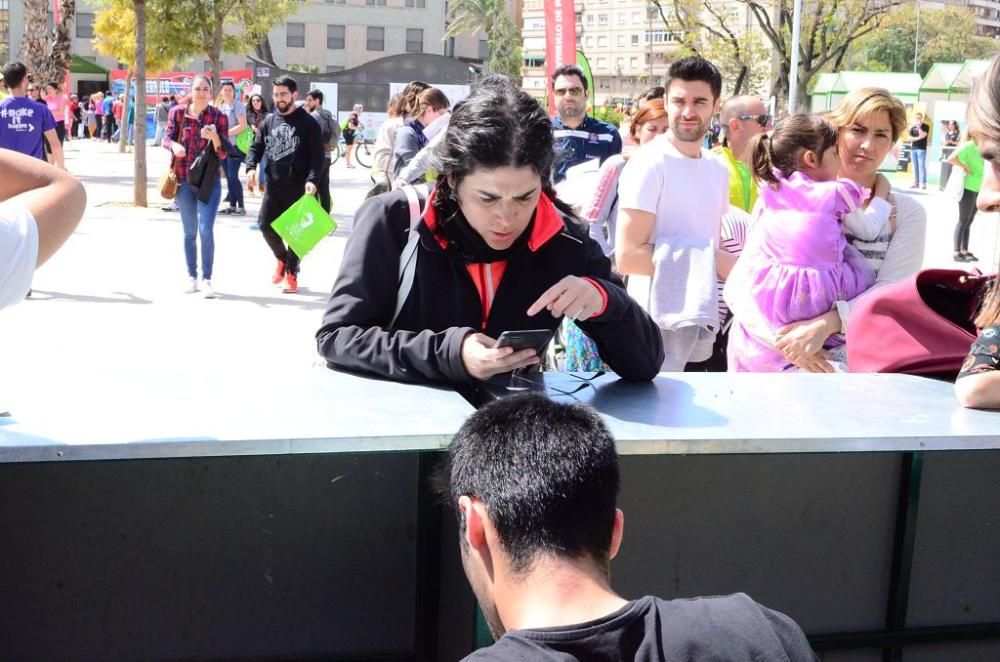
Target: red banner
{"points": [[560, 39]]}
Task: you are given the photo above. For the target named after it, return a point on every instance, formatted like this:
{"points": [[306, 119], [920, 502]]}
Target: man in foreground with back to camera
{"points": [[535, 485]]}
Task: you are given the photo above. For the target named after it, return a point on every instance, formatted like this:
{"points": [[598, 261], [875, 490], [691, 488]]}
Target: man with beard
{"points": [[293, 141], [579, 137], [535, 485], [672, 197]]}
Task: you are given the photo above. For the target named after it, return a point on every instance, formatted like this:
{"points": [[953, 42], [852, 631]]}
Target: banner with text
{"points": [[560, 40]]}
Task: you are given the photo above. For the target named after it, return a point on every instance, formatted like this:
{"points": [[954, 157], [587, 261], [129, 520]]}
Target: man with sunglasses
{"points": [[743, 118], [579, 137]]}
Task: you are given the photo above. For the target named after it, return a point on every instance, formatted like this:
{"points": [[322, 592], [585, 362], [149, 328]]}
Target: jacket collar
{"points": [[548, 222]]}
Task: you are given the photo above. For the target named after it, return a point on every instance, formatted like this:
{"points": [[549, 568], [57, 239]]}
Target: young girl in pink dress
{"points": [[797, 263]]}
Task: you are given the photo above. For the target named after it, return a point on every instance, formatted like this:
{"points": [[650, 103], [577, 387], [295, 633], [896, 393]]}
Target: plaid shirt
{"points": [[187, 131]]}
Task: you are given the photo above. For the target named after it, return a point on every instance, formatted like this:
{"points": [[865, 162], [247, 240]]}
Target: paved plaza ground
{"points": [[112, 298]]}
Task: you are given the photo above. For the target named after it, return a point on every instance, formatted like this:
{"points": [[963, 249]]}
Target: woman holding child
{"points": [[867, 123]]}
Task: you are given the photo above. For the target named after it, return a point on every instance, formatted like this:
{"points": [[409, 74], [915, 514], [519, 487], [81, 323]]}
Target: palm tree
{"points": [[502, 36], [45, 50]]}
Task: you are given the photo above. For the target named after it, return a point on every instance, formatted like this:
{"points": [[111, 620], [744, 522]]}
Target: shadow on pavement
{"points": [[304, 298], [43, 295]]}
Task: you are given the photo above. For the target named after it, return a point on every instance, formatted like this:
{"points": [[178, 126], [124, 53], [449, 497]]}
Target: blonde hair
{"points": [[862, 104]]}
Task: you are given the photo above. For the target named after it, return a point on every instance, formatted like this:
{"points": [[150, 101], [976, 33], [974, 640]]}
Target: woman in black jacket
{"points": [[497, 252]]}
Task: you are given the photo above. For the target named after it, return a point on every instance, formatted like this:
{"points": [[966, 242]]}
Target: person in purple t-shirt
{"points": [[23, 122]]}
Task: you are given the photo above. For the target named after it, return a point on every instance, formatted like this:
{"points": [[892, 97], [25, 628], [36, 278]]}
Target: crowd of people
{"points": [[748, 257]]}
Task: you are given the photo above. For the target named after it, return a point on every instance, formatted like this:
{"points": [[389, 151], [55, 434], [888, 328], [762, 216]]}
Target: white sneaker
{"points": [[192, 286], [206, 289]]}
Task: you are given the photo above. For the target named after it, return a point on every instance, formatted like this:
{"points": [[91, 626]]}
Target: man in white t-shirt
{"points": [[40, 206], [672, 196]]}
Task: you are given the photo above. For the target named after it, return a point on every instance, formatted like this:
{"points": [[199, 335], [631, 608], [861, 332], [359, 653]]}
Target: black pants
{"points": [[109, 126], [324, 185], [966, 214], [277, 199]]}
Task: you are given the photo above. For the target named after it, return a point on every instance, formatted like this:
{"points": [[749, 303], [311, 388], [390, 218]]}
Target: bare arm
{"points": [[57, 150], [56, 199], [633, 249], [979, 391]]}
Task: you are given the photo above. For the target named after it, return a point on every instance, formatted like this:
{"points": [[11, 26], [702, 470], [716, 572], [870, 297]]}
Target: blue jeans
{"points": [[234, 193], [919, 157], [198, 218]]}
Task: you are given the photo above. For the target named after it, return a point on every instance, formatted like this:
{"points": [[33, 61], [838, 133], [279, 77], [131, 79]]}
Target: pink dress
{"points": [[796, 265]]}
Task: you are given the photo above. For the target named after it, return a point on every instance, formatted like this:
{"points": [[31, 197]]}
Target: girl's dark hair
{"points": [[497, 126], [791, 137]]}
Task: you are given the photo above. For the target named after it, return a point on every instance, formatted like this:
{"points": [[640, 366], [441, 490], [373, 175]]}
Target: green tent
{"points": [[79, 65]]}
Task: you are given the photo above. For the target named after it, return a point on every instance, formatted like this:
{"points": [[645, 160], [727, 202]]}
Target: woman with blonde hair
{"points": [[978, 383], [869, 121]]}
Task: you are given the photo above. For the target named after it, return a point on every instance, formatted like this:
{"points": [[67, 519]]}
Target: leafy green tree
{"points": [[502, 36], [945, 35], [711, 30], [829, 29], [214, 27], [134, 32]]}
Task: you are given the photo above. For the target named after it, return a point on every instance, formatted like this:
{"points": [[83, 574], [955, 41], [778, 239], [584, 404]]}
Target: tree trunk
{"points": [[122, 127], [215, 57], [263, 50], [45, 50], [139, 185]]}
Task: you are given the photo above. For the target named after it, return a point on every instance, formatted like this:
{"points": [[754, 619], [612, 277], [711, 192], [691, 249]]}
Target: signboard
{"points": [[560, 40], [178, 83]]}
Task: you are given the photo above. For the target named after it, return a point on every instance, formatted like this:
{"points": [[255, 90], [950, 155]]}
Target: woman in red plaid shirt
{"points": [[190, 129]]}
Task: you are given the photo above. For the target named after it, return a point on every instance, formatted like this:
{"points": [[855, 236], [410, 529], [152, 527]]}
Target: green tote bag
{"points": [[304, 224]]}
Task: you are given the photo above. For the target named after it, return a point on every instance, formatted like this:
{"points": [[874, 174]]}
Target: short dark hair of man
{"points": [[547, 474], [315, 94], [14, 74], [165, 99], [570, 70], [286, 81], [696, 68], [228, 83], [651, 93]]}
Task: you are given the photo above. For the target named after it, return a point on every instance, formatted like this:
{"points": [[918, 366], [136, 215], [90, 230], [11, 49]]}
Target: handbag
{"points": [[922, 325], [955, 187], [168, 183], [196, 172]]}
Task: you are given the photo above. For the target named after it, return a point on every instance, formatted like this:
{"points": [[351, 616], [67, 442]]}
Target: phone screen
{"points": [[535, 339]]}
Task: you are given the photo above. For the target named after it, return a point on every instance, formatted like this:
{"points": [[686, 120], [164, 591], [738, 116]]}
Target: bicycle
{"points": [[364, 151]]}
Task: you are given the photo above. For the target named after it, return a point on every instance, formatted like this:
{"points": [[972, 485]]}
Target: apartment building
{"points": [[328, 35], [627, 45]]}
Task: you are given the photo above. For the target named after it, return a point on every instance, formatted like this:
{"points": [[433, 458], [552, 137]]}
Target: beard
{"points": [[282, 106], [690, 135]]}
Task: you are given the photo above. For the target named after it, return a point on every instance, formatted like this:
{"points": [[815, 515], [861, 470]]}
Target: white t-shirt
{"points": [[18, 252], [688, 196]]}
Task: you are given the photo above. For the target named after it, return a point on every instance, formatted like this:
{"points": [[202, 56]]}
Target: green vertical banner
{"points": [[588, 75]]}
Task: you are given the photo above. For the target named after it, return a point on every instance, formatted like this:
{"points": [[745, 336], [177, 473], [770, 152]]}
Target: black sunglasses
{"points": [[763, 120]]}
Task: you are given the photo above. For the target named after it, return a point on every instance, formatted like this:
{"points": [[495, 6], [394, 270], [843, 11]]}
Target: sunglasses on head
{"points": [[763, 120]]}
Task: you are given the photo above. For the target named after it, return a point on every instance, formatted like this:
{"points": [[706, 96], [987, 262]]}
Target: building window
{"points": [[663, 37], [85, 25], [621, 41], [295, 35], [335, 37], [334, 68], [635, 63], [414, 40], [590, 18], [635, 40], [602, 41], [621, 18], [375, 3], [376, 38], [484, 50], [602, 19], [416, 4], [590, 41]]}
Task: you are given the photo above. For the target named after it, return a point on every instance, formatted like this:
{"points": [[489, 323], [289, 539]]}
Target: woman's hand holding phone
{"points": [[482, 359]]}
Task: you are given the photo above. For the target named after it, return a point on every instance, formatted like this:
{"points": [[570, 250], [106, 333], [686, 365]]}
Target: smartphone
{"points": [[535, 339]]}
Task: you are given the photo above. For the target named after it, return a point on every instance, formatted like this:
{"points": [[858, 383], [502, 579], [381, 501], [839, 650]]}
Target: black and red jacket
{"points": [[451, 298]]}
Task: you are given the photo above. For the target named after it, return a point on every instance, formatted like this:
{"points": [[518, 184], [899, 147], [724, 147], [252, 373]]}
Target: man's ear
{"points": [[473, 511], [617, 530]]}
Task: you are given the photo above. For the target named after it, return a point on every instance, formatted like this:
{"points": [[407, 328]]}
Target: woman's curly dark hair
{"points": [[498, 125]]}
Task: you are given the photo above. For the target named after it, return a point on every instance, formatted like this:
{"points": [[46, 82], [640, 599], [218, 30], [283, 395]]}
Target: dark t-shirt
{"points": [[922, 143], [731, 628]]}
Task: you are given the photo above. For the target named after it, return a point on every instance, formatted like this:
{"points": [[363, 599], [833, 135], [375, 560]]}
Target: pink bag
{"points": [[922, 325]]}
